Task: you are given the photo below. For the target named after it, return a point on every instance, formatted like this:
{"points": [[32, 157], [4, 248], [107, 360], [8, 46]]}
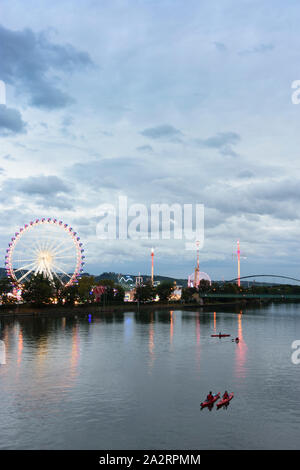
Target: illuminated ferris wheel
{"points": [[48, 247]]}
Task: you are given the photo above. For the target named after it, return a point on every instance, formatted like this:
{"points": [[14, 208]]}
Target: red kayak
{"points": [[225, 401], [219, 336], [211, 402]]}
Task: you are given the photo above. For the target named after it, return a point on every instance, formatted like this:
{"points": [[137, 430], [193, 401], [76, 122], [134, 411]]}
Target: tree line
{"points": [[40, 290], [191, 294]]}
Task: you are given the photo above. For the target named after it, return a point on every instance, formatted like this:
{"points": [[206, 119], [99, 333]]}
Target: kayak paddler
{"points": [[225, 396], [210, 397]]}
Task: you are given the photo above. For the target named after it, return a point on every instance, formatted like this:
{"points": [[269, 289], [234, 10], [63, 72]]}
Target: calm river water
{"points": [[135, 381]]}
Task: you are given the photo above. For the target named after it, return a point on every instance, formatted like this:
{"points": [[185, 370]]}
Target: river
{"points": [[135, 381]]}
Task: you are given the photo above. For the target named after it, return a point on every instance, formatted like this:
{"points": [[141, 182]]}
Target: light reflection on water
{"points": [[136, 380]]}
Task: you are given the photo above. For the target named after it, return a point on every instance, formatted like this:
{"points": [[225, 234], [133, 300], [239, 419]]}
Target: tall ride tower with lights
{"points": [[152, 266], [197, 270]]}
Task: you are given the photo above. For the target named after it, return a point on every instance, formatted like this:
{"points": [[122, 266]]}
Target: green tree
{"points": [[204, 286], [144, 293], [59, 291], [164, 291], [38, 289], [70, 294], [187, 294], [229, 288], [85, 285], [5, 286], [109, 294], [113, 292], [120, 293]]}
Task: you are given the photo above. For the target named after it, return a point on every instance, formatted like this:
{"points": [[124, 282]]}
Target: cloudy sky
{"points": [[162, 101]]}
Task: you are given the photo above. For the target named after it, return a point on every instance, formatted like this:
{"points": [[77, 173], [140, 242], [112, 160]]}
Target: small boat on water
{"points": [[210, 402], [225, 401], [219, 336]]}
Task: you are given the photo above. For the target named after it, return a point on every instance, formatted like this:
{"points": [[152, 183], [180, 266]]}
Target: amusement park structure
{"points": [[194, 280], [126, 279], [152, 266], [139, 280], [239, 256], [239, 263], [45, 246]]}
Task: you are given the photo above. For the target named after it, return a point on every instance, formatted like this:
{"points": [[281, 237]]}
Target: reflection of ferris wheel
{"points": [[46, 247]]}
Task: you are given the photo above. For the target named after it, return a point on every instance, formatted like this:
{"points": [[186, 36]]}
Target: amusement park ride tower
{"points": [[152, 266], [239, 262], [239, 256], [197, 270], [194, 279]]}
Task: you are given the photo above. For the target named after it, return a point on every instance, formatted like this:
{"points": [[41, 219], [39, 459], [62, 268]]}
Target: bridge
{"points": [[256, 295], [264, 275], [251, 296]]}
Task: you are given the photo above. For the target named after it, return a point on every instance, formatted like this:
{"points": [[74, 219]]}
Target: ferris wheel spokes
{"points": [[25, 275], [22, 268], [46, 247], [62, 271]]}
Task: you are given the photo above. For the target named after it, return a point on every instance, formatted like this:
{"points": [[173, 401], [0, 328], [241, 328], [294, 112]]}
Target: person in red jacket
{"points": [[225, 396], [210, 397]]}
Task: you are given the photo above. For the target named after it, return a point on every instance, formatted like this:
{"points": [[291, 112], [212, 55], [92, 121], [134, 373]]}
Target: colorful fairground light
{"points": [[45, 246]]}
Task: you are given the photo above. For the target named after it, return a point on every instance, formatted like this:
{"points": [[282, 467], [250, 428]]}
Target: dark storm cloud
{"points": [[279, 199], [49, 97], [284, 190], [9, 158], [113, 173], [223, 141], [60, 201], [40, 191], [270, 196], [43, 185], [246, 174], [228, 151], [259, 49], [220, 46], [165, 131], [220, 140], [11, 121], [145, 148], [28, 60]]}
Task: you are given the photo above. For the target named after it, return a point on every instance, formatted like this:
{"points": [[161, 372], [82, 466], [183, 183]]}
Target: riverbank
{"points": [[82, 310]]}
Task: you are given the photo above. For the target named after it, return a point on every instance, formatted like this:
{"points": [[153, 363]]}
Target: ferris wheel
{"points": [[48, 247]]}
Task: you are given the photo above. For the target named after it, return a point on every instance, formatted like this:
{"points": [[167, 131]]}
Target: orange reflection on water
{"points": [[5, 337], [198, 339], [241, 349], [198, 328], [151, 344], [20, 346], [215, 321], [171, 326], [41, 352], [75, 351]]}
